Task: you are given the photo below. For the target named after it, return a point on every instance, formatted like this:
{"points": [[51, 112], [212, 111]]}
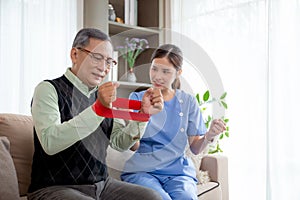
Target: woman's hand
{"points": [[217, 126], [152, 102]]}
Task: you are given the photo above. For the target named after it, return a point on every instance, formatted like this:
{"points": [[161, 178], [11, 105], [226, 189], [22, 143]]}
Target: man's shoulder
{"points": [[58, 79], [47, 87], [60, 82], [44, 85]]}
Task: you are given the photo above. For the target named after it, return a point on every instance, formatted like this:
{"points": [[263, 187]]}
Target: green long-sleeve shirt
{"points": [[55, 136]]}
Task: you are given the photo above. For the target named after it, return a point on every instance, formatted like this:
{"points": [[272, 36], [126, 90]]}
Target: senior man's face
{"points": [[93, 62]]}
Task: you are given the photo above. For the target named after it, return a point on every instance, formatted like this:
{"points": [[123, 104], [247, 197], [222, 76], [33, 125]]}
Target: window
{"points": [[36, 37], [254, 45]]}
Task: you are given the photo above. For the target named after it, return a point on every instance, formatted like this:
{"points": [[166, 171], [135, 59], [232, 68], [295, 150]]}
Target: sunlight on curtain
{"points": [[255, 45], [36, 36], [233, 33], [284, 99]]}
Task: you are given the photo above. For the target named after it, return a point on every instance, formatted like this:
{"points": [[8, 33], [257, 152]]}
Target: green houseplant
{"points": [[131, 49], [203, 101]]}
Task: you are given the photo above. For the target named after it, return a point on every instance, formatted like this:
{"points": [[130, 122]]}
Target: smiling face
{"points": [[163, 73], [84, 66], [166, 67]]}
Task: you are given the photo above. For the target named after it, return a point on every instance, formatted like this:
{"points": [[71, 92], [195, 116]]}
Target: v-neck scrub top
{"points": [[162, 147]]}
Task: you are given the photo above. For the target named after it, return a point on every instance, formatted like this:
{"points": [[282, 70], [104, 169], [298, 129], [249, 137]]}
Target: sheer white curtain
{"points": [[284, 98], [255, 45], [36, 36]]}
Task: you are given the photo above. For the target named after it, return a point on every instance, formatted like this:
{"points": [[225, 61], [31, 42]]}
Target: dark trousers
{"points": [[110, 189]]}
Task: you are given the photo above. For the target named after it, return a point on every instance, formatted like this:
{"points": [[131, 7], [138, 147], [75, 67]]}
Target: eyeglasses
{"points": [[98, 57]]}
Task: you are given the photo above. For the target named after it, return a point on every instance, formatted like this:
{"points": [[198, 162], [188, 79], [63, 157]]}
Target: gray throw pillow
{"points": [[8, 178]]}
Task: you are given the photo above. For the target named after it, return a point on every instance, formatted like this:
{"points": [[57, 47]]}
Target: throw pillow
{"points": [[19, 131], [8, 178], [202, 176]]}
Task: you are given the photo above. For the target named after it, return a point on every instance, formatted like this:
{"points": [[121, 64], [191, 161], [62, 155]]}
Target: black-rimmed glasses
{"points": [[98, 57]]}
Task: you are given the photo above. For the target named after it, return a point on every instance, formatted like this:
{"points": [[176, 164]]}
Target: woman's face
{"points": [[162, 73]]}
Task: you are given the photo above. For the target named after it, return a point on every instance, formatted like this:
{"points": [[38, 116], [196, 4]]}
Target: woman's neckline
{"points": [[170, 98]]}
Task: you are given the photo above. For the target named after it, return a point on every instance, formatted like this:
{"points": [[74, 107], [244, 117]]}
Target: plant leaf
{"points": [[223, 95], [224, 104], [206, 96], [221, 136], [227, 134], [213, 151], [207, 124], [198, 98], [208, 118], [226, 120]]}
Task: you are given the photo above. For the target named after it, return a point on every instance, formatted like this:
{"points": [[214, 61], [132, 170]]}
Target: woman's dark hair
{"points": [[82, 38], [174, 55]]}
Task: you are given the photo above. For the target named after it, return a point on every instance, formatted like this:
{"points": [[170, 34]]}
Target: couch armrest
{"points": [[217, 167]]}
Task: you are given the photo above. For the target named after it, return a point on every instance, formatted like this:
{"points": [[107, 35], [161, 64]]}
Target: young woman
{"points": [[160, 162]]}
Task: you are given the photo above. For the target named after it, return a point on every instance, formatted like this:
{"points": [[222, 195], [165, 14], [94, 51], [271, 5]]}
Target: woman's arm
{"points": [[198, 143]]}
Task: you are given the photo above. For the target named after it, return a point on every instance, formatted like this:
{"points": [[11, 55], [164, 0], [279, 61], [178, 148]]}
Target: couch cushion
{"points": [[8, 177], [19, 131]]}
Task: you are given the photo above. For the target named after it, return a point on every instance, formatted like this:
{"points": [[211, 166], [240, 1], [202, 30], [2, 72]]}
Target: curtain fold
{"points": [[255, 45], [36, 36]]}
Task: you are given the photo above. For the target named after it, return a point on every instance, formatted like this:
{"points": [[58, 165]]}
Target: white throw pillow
{"points": [[202, 176]]}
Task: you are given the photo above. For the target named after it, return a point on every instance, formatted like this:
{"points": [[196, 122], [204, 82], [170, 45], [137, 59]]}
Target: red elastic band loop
{"points": [[100, 110]]}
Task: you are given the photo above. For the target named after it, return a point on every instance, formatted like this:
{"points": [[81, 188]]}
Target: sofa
{"points": [[16, 151]]}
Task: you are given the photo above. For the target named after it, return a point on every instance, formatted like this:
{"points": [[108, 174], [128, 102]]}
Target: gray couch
{"points": [[16, 150]]}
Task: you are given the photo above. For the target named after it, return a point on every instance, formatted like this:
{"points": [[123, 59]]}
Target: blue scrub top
{"points": [[163, 144]]}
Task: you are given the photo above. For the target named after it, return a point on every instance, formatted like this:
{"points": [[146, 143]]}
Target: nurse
{"points": [[159, 161]]}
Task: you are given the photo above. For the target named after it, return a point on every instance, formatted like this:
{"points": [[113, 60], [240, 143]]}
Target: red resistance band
{"points": [[115, 113]]}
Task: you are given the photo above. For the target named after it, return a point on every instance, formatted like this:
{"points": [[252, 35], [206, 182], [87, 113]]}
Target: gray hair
{"points": [[82, 38]]}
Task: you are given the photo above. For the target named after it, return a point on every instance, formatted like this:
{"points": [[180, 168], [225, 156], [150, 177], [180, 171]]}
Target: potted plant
{"points": [[130, 51]]}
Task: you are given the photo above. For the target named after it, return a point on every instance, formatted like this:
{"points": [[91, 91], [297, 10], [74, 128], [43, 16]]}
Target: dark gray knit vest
{"points": [[81, 163]]}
